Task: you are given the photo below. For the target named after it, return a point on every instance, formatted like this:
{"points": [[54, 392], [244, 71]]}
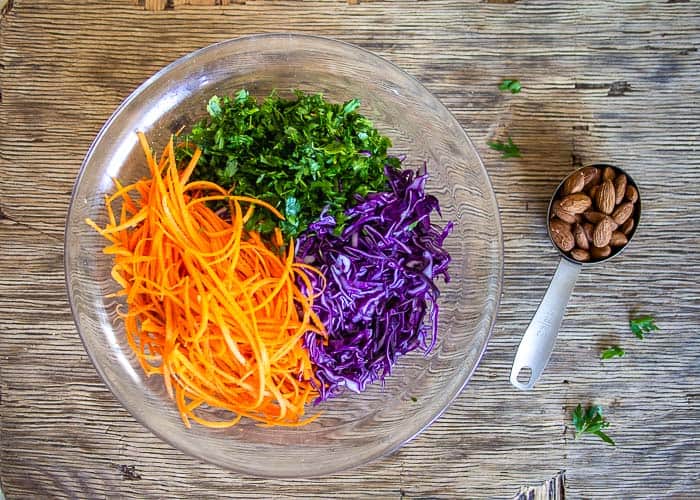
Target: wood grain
{"points": [[165, 4], [603, 81]]}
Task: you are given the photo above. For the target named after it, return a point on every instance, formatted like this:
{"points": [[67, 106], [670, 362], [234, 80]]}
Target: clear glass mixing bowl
{"points": [[353, 428]]}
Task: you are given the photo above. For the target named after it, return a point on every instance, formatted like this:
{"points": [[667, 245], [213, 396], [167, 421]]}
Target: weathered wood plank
{"points": [[64, 67]]}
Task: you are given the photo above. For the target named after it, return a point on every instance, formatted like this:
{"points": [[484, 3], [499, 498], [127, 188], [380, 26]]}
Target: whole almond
{"points": [[580, 237], [600, 252], [588, 230], [609, 174], [623, 212], [603, 232], [593, 191], [559, 226], [574, 183], [618, 239], [593, 216], [576, 203], [605, 197], [581, 255], [627, 227], [561, 234], [591, 176], [620, 188], [561, 213], [631, 194], [563, 239]]}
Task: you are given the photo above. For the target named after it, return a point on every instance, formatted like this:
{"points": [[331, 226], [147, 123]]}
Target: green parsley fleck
{"points": [[513, 85], [612, 352], [412, 225], [591, 422], [642, 325], [509, 149]]}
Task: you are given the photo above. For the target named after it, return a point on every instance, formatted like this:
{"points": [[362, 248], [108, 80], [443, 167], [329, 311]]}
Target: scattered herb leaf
{"points": [[642, 325], [301, 155], [414, 399], [509, 149], [591, 422], [513, 85], [612, 352]]}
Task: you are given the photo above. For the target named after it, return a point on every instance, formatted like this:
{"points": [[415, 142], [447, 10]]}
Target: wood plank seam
{"points": [[155, 5]]}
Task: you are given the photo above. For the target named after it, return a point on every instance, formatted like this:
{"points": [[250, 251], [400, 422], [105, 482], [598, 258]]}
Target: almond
{"points": [[588, 229], [559, 226], [593, 191], [593, 216], [620, 188], [580, 237], [631, 194], [574, 183], [627, 227], [618, 239], [603, 232], [561, 213], [565, 241], [561, 234], [623, 212], [580, 255], [609, 174], [576, 203], [600, 252], [605, 197], [591, 176]]}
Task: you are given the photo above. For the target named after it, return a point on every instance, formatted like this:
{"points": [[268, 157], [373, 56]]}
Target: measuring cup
{"points": [[537, 343]]}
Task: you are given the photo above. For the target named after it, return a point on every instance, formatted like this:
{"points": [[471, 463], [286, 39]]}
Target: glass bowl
{"points": [[354, 428]]}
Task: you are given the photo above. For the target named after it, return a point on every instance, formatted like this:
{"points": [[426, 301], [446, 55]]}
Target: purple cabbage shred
{"points": [[380, 274]]}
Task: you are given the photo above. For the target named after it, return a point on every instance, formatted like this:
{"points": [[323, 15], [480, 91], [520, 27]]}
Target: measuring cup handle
{"points": [[538, 342]]}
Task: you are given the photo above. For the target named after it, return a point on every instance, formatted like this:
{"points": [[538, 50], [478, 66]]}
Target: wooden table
{"points": [[603, 81]]}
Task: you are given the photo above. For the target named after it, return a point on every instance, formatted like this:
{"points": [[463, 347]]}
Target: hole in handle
{"points": [[523, 378], [524, 375]]}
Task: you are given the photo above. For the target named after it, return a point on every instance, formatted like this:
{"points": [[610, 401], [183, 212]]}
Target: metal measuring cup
{"points": [[537, 343]]}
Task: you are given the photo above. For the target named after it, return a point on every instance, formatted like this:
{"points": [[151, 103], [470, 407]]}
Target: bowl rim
{"points": [[490, 194]]}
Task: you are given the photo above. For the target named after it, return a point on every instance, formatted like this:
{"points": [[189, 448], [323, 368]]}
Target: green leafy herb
{"points": [[414, 399], [612, 352], [591, 422], [292, 208], [642, 325], [513, 85], [214, 106], [509, 149], [301, 155], [412, 225]]}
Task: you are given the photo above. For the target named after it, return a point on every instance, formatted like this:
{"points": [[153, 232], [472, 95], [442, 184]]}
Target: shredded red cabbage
{"points": [[380, 276]]}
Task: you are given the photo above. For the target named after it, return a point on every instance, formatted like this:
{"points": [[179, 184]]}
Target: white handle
{"points": [[538, 342]]}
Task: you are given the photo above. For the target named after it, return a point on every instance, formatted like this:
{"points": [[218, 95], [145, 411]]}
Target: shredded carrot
{"points": [[211, 307]]}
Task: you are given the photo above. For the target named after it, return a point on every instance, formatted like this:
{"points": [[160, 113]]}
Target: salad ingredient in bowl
{"points": [[380, 276], [209, 307], [302, 155]]}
